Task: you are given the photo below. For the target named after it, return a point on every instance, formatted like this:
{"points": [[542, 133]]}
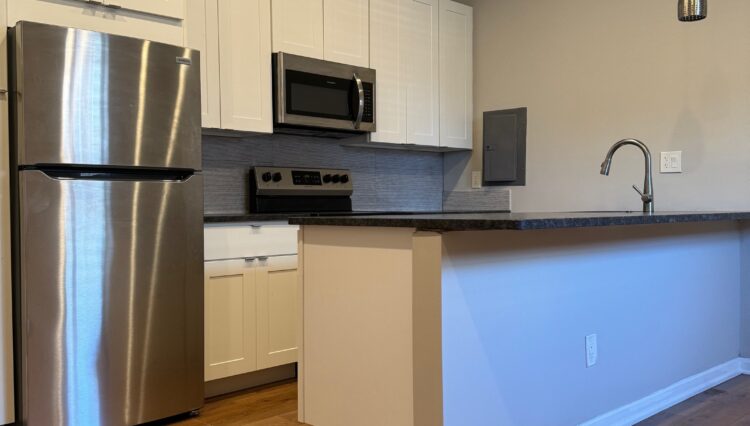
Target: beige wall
{"points": [[592, 72]]}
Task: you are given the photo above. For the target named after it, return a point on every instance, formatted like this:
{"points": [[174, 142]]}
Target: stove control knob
{"points": [[344, 178], [336, 178], [267, 176], [327, 179], [277, 177]]}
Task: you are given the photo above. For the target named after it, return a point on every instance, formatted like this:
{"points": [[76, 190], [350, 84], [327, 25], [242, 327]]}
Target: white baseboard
{"points": [[672, 395], [744, 365]]}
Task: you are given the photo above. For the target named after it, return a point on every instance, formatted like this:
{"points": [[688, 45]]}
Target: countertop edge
{"points": [[518, 221]]}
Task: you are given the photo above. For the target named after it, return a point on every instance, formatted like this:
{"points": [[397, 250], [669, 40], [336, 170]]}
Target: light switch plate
{"points": [[592, 351], [476, 180], [671, 162]]}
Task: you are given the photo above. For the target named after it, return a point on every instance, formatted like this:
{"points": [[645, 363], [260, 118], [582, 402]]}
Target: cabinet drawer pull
{"points": [[262, 258], [113, 6], [250, 259]]}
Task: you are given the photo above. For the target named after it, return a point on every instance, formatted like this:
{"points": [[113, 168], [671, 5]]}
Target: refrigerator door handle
{"points": [[118, 174]]}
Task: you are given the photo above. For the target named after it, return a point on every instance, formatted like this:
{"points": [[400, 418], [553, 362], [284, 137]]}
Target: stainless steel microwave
{"points": [[316, 94]]}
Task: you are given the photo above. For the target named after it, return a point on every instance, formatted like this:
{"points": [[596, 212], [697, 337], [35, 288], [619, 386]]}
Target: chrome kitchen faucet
{"points": [[647, 195]]}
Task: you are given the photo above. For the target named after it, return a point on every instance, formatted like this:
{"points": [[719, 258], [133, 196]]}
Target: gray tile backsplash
{"points": [[485, 199], [383, 180]]}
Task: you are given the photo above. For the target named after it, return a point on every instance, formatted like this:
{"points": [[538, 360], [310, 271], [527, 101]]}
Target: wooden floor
{"points": [[276, 405], [725, 405], [273, 405]]}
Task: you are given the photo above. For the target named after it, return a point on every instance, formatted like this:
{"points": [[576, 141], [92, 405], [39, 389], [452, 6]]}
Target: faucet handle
{"points": [[645, 198]]}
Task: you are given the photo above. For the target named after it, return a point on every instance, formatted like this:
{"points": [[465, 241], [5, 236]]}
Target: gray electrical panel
{"points": [[504, 147]]}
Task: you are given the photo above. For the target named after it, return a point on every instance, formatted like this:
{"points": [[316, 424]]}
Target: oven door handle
{"points": [[361, 105]]}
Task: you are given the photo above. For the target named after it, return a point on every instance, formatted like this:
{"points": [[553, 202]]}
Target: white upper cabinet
{"points": [[421, 20], [245, 65], [422, 53], [298, 27], [168, 8], [202, 33], [456, 75], [404, 53], [234, 38], [156, 20], [334, 30], [386, 47], [346, 31]]}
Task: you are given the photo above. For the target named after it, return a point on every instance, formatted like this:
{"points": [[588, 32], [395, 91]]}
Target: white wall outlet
{"points": [[476, 180], [671, 162], [592, 351]]}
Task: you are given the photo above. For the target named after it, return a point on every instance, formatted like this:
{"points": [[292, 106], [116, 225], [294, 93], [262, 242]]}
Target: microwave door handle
{"points": [[361, 105]]}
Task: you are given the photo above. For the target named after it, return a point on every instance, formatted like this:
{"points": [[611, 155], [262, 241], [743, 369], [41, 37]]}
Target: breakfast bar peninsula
{"points": [[483, 318]]}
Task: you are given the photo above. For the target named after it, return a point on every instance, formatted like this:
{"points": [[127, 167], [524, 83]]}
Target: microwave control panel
{"points": [[368, 115]]}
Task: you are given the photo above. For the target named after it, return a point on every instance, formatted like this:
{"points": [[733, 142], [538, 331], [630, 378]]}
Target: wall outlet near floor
{"points": [[476, 180], [671, 162], [592, 351]]}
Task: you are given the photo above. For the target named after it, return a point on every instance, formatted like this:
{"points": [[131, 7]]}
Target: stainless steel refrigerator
{"points": [[108, 227]]}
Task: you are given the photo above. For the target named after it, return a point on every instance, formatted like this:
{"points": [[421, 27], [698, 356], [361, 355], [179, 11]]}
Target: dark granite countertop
{"points": [[519, 221], [249, 217], [283, 217]]}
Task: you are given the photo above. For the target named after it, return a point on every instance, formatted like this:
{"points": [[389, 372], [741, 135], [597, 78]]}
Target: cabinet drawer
{"points": [[249, 240]]}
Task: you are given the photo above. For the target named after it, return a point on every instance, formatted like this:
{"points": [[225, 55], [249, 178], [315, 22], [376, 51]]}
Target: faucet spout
{"points": [[647, 195]]}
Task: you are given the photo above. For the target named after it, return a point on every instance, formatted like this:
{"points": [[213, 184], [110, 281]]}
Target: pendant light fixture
{"points": [[691, 10]]}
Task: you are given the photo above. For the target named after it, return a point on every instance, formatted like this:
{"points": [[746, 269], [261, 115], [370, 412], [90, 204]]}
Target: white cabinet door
{"points": [[169, 8], [298, 27], [230, 319], [202, 33], [346, 31], [276, 282], [6, 304], [404, 51], [79, 14], [245, 65], [456, 75], [386, 45], [421, 22]]}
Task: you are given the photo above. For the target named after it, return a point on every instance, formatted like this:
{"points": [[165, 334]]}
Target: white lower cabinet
{"points": [[230, 324], [276, 304], [251, 301]]}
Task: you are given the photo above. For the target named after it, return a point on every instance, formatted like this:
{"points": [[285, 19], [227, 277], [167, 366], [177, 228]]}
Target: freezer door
{"points": [[111, 299], [89, 98]]}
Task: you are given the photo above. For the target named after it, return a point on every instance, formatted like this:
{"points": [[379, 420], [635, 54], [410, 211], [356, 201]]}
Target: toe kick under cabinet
{"points": [[250, 298]]}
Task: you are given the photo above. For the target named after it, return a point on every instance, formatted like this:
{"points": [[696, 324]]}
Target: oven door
{"points": [[321, 94]]}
